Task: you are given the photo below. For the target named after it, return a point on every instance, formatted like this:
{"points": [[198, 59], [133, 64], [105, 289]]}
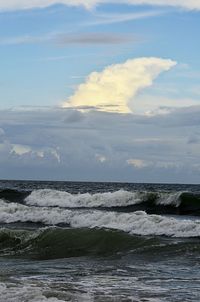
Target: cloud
{"points": [[61, 39], [2, 133], [24, 40], [102, 19], [158, 104], [141, 164], [188, 4], [112, 89], [138, 163], [52, 143], [101, 158], [93, 38], [24, 4]]}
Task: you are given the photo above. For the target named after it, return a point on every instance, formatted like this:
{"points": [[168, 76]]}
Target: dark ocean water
{"points": [[67, 241]]}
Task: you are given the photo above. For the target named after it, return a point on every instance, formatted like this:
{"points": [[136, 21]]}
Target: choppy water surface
{"points": [[65, 241]]}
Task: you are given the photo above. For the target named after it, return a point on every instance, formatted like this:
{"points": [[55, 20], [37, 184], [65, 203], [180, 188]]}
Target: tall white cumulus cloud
{"points": [[114, 88], [28, 4]]}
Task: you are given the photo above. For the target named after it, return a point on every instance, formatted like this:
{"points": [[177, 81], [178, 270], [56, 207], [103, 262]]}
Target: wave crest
{"points": [[137, 223], [125, 201], [64, 199]]}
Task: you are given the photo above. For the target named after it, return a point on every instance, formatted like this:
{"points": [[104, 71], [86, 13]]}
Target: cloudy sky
{"points": [[100, 90]]}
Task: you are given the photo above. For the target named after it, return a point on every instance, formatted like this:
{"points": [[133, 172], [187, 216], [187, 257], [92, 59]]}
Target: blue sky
{"points": [[71, 55], [45, 71]]}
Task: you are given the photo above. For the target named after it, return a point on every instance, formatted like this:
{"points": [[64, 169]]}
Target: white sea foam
{"points": [[33, 290], [14, 212], [13, 293], [64, 199], [138, 223], [172, 199], [121, 198]]}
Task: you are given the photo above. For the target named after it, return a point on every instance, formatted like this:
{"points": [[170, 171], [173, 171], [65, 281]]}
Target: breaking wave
{"points": [[151, 202], [179, 203], [136, 223], [87, 200]]}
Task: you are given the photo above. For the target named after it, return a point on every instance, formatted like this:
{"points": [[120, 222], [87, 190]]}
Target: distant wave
{"points": [[152, 202], [87, 200], [136, 223]]}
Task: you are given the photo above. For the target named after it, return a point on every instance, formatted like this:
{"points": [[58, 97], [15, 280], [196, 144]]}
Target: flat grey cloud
{"points": [[65, 39], [94, 38]]}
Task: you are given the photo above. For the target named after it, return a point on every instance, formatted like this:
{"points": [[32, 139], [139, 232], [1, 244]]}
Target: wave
{"points": [[13, 195], [151, 202], [179, 203], [54, 243], [136, 223], [49, 243], [64, 199]]}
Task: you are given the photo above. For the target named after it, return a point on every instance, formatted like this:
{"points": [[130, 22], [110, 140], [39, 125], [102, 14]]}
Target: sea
{"points": [[102, 242]]}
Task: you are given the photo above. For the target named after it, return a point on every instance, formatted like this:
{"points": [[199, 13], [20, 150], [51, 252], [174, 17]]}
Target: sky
{"points": [[97, 90]]}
